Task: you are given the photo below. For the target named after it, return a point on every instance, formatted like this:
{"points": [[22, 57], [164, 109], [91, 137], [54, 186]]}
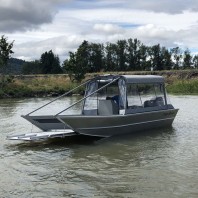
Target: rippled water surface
{"points": [[160, 163]]}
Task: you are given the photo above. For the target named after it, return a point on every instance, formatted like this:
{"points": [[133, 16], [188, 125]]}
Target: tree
{"points": [[125, 55], [187, 63], [78, 63], [50, 63], [82, 61], [5, 51], [121, 55], [177, 56], [156, 57], [32, 67], [111, 57], [195, 61], [69, 65], [145, 64], [134, 54], [5, 54], [96, 53], [168, 63]]}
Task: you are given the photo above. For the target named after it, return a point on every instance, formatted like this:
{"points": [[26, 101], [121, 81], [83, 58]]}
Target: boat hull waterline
{"points": [[105, 126]]}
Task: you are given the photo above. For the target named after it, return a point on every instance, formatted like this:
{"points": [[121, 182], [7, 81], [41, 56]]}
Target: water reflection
{"points": [[52, 144], [8, 107]]}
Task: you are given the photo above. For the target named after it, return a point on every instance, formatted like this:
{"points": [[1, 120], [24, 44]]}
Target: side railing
{"points": [[65, 94]]}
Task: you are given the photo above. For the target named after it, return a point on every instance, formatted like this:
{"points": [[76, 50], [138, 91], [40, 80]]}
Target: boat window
{"points": [[151, 95], [159, 90], [145, 95], [133, 96], [109, 91], [122, 89], [91, 102]]}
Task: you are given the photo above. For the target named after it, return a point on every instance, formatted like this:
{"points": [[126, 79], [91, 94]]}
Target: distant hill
{"points": [[14, 66]]}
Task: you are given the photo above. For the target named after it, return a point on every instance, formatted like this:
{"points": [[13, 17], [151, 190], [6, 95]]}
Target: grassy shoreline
{"points": [[178, 82]]}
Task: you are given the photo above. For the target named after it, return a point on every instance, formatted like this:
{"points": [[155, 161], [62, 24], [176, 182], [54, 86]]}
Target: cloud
{"points": [[163, 6], [108, 29], [120, 16], [59, 45], [22, 15], [166, 6], [62, 25]]}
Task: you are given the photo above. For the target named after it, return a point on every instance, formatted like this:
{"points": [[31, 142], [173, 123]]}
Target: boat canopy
{"points": [[131, 79], [127, 91], [138, 79]]}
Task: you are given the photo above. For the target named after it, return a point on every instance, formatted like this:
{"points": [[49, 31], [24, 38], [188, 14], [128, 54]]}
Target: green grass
{"points": [[53, 85], [184, 87], [39, 86]]}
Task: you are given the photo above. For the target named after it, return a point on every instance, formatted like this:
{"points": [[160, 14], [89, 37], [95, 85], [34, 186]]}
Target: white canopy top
{"points": [[129, 79], [143, 79]]}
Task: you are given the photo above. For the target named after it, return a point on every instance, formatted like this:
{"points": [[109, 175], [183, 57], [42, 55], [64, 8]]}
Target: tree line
{"points": [[124, 55], [48, 63]]}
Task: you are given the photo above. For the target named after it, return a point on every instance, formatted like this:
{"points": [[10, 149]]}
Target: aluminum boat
{"points": [[112, 105]]}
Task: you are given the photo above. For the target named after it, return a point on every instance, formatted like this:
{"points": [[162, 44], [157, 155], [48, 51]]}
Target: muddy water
{"points": [[159, 163]]}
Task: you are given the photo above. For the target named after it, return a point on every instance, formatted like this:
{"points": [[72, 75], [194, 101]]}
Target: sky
{"points": [[37, 26]]}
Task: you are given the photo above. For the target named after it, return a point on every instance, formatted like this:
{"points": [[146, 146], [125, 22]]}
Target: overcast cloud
{"points": [[22, 15], [61, 25]]}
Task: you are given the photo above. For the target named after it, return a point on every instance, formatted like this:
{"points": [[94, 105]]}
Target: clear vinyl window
{"points": [[145, 95]]}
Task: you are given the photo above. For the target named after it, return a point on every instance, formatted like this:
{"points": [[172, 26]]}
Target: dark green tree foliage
{"points": [[195, 61], [160, 57], [82, 61], [125, 55], [50, 63], [156, 57], [32, 67], [134, 54], [13, 67], [121, 55], [187, 63], [70, 64], [5, 54], [5, 51], [78, 63], [96, 53], [167, 61], [177, 56], [143, 56], [111, 57]]}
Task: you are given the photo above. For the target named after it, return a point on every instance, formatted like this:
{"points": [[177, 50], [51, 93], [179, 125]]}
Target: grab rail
{"points": [[88, 96], [59, 97]]}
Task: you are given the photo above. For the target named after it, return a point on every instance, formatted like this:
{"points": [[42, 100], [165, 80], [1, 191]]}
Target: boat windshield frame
{"points": [[156, 103]]}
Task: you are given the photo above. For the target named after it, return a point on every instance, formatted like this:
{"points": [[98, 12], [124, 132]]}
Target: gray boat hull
{"points": [[105, 126]]}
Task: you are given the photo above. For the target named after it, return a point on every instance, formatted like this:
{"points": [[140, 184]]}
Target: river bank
{"points": [[178, 82]]}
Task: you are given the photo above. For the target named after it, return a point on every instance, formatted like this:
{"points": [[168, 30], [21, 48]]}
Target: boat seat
{"points": [[158, 101], [107, 107], [149, 103]]}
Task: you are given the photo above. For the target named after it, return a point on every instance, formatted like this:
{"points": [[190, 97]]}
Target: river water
{"points": [[159, 163]]}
